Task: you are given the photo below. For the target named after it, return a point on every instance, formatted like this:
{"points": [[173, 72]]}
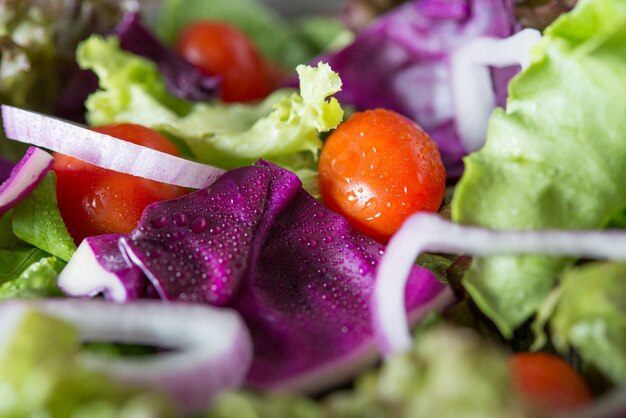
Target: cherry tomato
{"points": [[377, 168], [548, 381], [95, 201], [218, 48]]}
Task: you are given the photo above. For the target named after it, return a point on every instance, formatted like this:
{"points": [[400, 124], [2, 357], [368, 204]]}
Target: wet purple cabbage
{"points": [[182, 79], [307, 302], [198, 248], [299, 274], [401, 62]]}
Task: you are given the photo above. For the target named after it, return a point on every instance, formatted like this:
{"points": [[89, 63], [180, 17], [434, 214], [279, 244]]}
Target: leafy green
{"points": [[36, 281], [280, 128], [249, 405], [272, 34], [7, 237], [28, 272], [128, 83], [553, 159], [324, 33], [588, 312], [436, 263], [448, 373], [37, 221], [46, 379], [13, 261]]}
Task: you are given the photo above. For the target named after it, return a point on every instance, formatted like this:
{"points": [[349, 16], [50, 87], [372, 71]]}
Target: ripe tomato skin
{"points": [[548, 381], [218, 48], [95, 201], [377, 168]]}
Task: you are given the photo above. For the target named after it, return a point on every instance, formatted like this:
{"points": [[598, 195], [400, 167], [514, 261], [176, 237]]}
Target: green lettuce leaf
{"points": [[250, 405], [553, 159], [273, 35], [280, 128], [324, 33], [46, 379], [28, 272], [13, 261], [36, 281], [7, 237], [37, 221], [588, 312]]}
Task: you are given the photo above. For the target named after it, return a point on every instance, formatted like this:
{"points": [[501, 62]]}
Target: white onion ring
{"points": [[428, 232], [213, 349], [474, 98], [105, 151]]}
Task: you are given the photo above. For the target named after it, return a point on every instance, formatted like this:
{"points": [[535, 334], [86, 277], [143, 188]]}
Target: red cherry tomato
{"points": [[549, 382], [219, 48], [377, 168], [95, 201]]}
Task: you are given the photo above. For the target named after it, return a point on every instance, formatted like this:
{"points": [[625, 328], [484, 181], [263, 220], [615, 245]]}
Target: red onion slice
{"points": [[429, 232], [24, 177], [474, 96], [109, 271], [212, 347], [104, 150]]}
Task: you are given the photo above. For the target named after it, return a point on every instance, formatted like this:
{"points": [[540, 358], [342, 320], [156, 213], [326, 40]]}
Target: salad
{"points": [[412, 208]]}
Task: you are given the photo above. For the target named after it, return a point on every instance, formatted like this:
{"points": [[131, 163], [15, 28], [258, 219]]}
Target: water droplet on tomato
{"points": [[345, 165]]}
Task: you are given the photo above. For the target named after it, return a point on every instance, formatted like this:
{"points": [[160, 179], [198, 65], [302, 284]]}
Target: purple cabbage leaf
{"points": [[300, 275]]}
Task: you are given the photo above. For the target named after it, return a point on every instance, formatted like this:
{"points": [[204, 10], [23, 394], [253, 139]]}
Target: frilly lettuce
{"points": [[46, 379], [588, 312], [553, 159], [283, 125]]}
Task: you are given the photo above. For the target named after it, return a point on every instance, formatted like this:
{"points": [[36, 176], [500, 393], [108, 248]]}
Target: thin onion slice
{"points": [[474, 98], [429, 232], [24, 177], [105, 151], [212, 346]]}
